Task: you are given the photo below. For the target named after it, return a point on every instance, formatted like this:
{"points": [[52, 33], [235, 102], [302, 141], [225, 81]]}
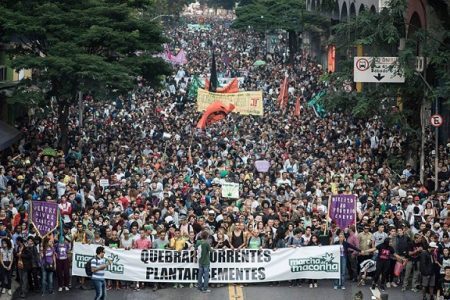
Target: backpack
{"points": [[88, 267]]}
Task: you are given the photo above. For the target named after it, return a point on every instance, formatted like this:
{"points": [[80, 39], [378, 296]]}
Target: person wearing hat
{"points": [[427, 267]]}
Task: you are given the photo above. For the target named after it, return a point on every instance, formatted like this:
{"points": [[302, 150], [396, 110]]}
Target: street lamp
{"points": [[153, 19]]}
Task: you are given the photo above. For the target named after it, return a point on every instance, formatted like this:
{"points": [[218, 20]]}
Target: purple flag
{"points": [[180, 58], [44, 216], [343, 210]]}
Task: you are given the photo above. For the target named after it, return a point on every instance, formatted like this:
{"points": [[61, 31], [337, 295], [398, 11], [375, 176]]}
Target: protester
{"points": [[62, 264], [7, 260], [166, 176], [427, 264], [345, 246], [204, 249], [98, 264], [48, 264], [383, 265]]}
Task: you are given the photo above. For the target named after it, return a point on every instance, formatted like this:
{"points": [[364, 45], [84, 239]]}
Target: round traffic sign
{"points": [[362, 64], [436, 120]]}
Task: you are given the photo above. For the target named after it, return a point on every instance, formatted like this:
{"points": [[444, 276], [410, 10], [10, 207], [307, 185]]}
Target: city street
{"points": [[249, 141], [251, 292]]}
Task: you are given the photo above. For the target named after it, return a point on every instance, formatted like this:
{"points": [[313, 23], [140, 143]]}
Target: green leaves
{"points": [[289, 15], [380, 34], [82, 45]]}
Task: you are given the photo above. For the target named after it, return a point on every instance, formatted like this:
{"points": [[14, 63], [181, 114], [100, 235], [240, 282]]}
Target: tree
{"points": [[380, 34], [84, 45], [289, 15]]}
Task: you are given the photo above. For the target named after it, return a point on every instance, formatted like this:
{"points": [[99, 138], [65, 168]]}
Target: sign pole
{"points": [[359, 52], [436, 158]]}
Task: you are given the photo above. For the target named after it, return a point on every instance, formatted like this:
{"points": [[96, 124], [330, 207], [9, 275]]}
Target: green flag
{"points": [[318, 108], [195, 84]]}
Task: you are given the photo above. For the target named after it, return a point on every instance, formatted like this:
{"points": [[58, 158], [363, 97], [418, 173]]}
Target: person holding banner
{"points": [[385, 253], [203, 252], [48, 264], [63, 264], [340, 283]]}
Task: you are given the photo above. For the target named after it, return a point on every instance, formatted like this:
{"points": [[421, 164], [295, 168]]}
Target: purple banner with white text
{"points": [[342, 210], [44, 216]]}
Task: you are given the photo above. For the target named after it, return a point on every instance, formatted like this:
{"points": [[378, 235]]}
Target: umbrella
{"points": [[262, 165], [259, 63], [49, 152]]}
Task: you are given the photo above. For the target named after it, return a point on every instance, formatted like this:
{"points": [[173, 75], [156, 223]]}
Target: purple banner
{"points": [[343, 210], [44, 216]]}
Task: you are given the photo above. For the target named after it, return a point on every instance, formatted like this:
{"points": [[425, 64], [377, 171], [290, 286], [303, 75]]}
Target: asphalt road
{"points": [[325, 291]]}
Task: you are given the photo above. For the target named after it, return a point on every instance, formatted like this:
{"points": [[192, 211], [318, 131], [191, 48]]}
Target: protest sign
{"points": [[227, 266], [246, 103], [104, 182], [44, 216], [262, 165], [342, 210], [230, 190]]}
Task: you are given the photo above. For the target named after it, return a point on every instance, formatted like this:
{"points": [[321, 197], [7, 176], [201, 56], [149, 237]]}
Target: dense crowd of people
{"points": [[164, 177]]}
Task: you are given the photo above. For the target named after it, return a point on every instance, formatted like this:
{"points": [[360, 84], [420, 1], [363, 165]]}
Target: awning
{"points": [[8, 135]]}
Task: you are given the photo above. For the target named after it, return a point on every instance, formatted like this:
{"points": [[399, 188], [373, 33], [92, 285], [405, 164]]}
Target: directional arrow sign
{"points": [[377, 69], [378, 77]]}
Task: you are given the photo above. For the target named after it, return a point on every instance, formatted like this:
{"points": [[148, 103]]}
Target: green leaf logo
{"points": [[328, 257]]}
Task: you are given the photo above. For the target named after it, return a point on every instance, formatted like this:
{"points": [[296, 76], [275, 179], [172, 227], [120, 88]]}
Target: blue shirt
{"points": [[95, 263]]}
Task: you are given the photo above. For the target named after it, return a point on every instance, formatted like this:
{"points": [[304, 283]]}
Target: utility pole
{"points": [[359, 52], [436, 133], [436, 145], [80, 108]]}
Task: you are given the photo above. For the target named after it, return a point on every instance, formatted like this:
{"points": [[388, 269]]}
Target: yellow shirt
{"points": [[179, 243]]}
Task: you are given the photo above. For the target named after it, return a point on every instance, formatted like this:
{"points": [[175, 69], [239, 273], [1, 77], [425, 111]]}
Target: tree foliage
{"points": [[85, 45], [380, 35], [225, 4], [289, 15]]}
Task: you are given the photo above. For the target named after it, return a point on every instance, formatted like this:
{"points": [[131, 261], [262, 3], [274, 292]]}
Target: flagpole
{"points": [[328, 214]]}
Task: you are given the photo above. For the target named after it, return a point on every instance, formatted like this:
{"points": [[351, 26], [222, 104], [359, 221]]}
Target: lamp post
{"points": [[436, 133], [153, 19]]}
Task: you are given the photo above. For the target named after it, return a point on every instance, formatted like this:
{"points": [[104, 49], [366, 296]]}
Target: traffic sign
{"points": [[436, 120], [377, 69]]}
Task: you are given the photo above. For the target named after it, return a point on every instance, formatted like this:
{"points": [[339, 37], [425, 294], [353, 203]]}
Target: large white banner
{"points": [[227, 266]]}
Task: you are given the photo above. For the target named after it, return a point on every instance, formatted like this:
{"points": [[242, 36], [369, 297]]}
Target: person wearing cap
{"points": [[427, 266], [211, 220]]}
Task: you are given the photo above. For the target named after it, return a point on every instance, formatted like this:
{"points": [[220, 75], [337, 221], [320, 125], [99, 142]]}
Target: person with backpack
{"points": [[97, 265]]}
